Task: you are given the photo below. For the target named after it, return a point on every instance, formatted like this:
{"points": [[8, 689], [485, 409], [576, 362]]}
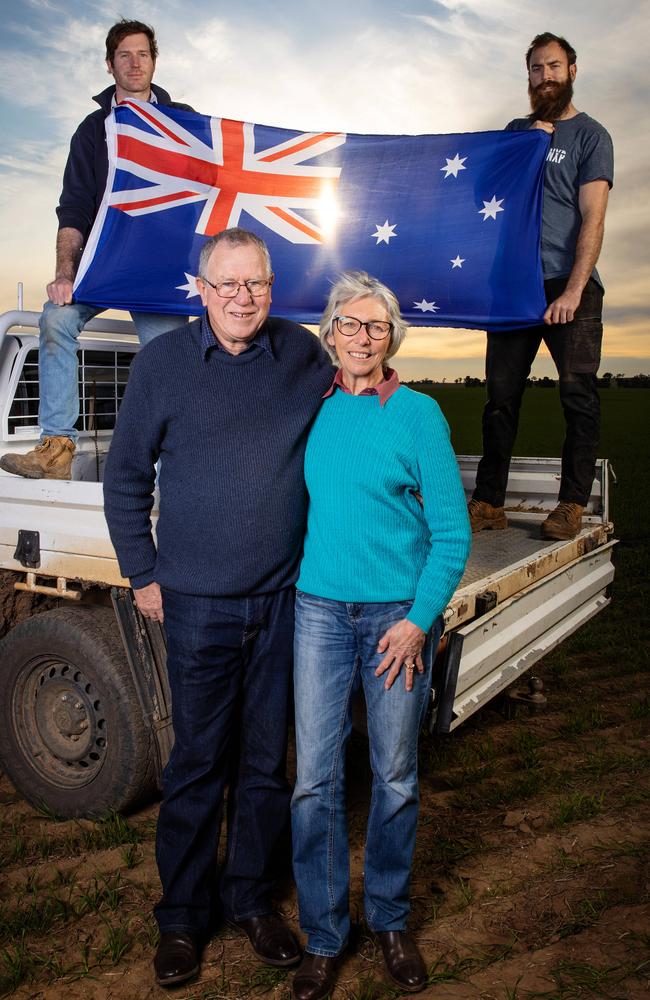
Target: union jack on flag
{"points": [[451, 223], [227, 174]]}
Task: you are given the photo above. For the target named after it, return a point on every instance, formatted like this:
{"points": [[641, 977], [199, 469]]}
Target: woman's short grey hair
{"points": [[235, 237], [357, 285]]}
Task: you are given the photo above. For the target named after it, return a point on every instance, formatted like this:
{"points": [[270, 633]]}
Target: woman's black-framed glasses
{"points": [[230, 289], [375, 328]]}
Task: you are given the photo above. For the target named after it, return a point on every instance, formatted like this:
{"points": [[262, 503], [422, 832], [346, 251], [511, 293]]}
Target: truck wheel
{"points": [[72, 734]]}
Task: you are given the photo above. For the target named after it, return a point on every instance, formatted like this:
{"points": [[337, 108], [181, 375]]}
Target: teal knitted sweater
{"points": [[369, 539]]}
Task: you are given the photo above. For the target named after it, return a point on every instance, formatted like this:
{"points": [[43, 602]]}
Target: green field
{"points": [[625, 441]]}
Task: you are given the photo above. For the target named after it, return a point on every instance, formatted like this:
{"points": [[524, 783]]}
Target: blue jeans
{"points": [[335, 653], [229, 663], [60, 327], [575, 349]]}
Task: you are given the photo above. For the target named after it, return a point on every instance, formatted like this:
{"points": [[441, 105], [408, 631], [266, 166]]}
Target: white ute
{"points": [[84, 702]]}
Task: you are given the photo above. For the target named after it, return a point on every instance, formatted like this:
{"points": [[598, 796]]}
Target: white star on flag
{"points": [[458, 261], [190, 287], [426, 307], [453, 166], [384, 233], [490, 208]]}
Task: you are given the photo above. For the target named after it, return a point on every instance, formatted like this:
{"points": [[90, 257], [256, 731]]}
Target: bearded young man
{"points": [[578, 175]]}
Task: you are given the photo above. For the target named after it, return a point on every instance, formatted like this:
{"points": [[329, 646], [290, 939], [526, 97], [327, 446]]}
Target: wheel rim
{"points": [[62, 730]]}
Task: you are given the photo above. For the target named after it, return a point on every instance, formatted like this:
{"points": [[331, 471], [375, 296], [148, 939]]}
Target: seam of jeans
{"points": [[332, 808]]}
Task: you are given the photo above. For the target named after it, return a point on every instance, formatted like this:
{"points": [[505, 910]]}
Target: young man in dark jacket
{"points": [[131, 52]]}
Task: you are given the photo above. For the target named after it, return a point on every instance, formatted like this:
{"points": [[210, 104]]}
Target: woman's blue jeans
{"points": [[335, 653]]}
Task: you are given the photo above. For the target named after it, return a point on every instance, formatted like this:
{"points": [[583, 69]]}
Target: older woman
{"points": [[386, 544]]}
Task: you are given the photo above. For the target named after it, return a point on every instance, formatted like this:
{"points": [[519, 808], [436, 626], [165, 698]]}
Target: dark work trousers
{"points": [[575, 349], [229, 662]]}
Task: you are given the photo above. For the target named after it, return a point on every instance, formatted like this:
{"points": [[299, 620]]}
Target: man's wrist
{"points": [[575, 286]]}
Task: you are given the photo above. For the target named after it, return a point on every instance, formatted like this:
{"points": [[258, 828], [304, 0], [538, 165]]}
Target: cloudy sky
{"points": [[348, 65]]}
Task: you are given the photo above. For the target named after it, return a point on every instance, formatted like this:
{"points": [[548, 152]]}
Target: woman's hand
{"points": [[402, 644]]}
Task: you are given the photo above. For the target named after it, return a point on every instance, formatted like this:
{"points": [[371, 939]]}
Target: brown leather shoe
{"points": [[177, 958], [404, 963], [52, 459], [484, 515], [272, 941], [564, 522], [316, 977]]}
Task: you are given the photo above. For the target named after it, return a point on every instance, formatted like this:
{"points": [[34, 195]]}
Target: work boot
{"points": [[564, 522], [484, 515], [52, 459]]}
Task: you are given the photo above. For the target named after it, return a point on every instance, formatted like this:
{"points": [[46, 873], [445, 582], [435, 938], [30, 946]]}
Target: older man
{"points": [[224, 403], [578, 175], [131, 52]]}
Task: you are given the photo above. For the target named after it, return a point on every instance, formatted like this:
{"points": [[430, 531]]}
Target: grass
{"points": [[579, 806], [526, 746], [641, 709], [118, 942], [577, 980], [583, 720]]}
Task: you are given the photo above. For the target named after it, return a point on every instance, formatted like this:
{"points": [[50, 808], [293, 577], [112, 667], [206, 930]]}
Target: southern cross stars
{"points": [[458, 261], [452, 167], [190, 287], [384, 233], [490, 208], [426, 307]]}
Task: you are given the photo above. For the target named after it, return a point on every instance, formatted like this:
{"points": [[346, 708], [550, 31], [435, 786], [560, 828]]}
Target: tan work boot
{"points": [[484, 515], [52, 459], [564, 522]]}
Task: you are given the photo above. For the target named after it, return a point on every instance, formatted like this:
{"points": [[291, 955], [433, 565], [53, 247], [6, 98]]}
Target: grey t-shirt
{"points": [[581, 151]]}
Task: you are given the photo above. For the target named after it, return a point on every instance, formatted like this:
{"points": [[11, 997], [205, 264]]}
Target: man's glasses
{"points": [[230, 289], [375, 328]]}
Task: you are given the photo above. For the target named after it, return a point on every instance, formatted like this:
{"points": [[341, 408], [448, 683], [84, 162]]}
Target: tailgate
{"points": [[489, 653]]}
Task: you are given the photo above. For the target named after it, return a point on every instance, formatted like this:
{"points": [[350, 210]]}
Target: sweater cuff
{"points": [[142, 579], [422, 615]]}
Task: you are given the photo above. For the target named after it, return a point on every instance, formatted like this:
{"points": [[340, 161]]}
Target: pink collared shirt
{"points": [[388, 385]]}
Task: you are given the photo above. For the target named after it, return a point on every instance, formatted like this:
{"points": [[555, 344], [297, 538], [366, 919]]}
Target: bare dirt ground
{"points": [[530, 879]]}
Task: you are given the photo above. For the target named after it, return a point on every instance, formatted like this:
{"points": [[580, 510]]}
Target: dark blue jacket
{"points": [[86, 172]]}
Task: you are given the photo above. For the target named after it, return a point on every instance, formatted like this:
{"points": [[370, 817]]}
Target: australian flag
{"points": [[451, 223]]}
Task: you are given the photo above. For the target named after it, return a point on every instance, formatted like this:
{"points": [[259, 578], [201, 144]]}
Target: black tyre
{"points": [[72, 734]]}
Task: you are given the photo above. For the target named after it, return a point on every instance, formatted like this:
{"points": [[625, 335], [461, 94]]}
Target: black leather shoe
{"points": [[316, 977], [177, 958], [404, 963], [271, 939]]}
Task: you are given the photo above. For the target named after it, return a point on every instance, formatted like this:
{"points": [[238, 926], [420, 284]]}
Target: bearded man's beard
{"points": [[549, 100]]}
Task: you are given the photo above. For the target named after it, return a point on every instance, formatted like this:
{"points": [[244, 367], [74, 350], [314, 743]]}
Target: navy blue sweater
{"points": [[86, 170], [230, 431]]}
